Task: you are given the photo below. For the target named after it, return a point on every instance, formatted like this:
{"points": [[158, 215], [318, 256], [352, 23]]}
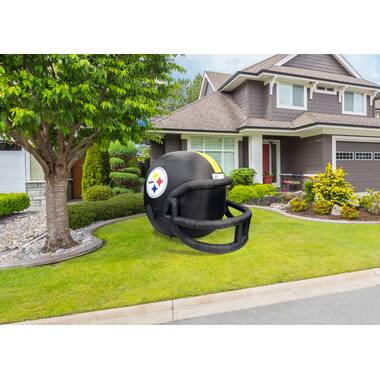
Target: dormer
{"points": [[211, 82]]}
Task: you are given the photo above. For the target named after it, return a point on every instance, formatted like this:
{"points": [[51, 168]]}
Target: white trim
{"points": [[339, 57], [334, 92], [255, 156], [27, 165], [190, 133], [355, 113], [205, 76], [230, 87], [364, 159], [286, 106]]}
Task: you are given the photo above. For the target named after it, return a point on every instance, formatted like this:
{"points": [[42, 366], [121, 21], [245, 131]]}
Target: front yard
{"points": [[137, 265]]}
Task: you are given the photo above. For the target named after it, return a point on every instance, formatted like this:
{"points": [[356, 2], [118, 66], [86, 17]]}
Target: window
{"points": [[222, 149], [354, 103], [363, 156], [325, 89], [344, 155], [291, 96], [376, 155]]}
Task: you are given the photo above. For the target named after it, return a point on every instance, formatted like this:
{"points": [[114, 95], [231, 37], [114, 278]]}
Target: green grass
{"points": [[137, 265]]}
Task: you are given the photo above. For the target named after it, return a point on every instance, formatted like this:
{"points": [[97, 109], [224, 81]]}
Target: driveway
{"points": [[356, 307]]}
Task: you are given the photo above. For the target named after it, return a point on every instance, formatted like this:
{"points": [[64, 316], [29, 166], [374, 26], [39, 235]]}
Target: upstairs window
{"points": [[291, 96], [325, 89], [354, 103]]}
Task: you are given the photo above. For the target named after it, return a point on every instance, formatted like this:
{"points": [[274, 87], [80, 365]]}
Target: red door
{"points": [[77, 179]]}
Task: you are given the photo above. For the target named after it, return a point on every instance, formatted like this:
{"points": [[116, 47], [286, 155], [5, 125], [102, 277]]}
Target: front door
{"points": [[77, 179]]}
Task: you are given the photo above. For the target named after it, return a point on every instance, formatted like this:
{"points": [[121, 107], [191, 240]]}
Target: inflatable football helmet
{"points": [[185, 196]]}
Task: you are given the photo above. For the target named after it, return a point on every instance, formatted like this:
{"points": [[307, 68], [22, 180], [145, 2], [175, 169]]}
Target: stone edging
{"points": [[284, 213], [92, 246], [192, 307]]}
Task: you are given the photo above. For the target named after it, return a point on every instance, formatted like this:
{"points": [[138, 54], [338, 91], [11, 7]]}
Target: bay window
{"points": [[291, 96], [354, 103], [222, 149]]}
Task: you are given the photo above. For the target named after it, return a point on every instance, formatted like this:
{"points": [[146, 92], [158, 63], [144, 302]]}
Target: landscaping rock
{"points": [[336, 210], [22, 237], [266, 201]]}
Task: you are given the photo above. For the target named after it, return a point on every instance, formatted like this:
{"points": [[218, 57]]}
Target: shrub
{"points": [[332, 187], [133, 170], [241, 194], [298, 204], [98, 193], [242, 176], [96, 168], [116, 163], [121, 190], [349, 212], [309, 191], [125, 179], [323, 206], [84, 213], [262, 190], [13, 202], [125, 152], [371, 202]]}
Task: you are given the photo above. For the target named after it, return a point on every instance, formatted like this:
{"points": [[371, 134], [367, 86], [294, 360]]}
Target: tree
{"points": [[56, 106], [96, 168], [183, 92]]}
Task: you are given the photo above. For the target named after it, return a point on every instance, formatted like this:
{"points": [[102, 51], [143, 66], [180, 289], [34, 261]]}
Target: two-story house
{"points": [[286, 115]]}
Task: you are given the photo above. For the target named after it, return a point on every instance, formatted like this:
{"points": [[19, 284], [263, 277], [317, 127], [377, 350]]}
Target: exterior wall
{"points": [[305, 156], [171, 143], [320, 62], [12, 171], [36, 192], [240, 96]]}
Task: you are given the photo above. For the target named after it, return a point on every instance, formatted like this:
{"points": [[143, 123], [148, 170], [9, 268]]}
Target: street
{"points": [[353, 307]]}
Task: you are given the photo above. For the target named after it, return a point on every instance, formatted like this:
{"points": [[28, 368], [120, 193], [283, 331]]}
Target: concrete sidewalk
{"points": [[185, 308]]}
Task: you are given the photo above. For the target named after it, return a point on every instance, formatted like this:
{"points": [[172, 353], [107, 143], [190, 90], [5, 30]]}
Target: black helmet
{"points": [[185, 196]]}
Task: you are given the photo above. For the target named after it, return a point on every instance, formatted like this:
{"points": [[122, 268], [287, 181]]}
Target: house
{"points": [[20, 172], [287, 116]]}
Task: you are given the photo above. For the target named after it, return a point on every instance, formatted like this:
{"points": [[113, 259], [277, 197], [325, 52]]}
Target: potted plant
{"points": [[267, 178]]}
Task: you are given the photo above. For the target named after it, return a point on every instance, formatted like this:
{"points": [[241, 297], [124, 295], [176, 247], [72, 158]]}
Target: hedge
{"points": [[98, 193], [125, 179], [13, 202], [85, 213]]}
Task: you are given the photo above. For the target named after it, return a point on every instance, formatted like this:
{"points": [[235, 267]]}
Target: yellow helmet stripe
{"points": [[215, 166]]}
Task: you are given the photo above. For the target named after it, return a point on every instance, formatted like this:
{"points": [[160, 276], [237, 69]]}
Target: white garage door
{"points": [[12, 171]]}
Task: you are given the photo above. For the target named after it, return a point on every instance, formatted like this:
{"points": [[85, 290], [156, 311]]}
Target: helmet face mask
{"points": [[185, 196]]}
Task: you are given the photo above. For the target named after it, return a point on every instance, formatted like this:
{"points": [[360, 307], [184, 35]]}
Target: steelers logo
{"points": [[157, 182]]}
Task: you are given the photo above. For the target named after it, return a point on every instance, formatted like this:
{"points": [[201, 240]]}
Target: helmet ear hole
{"points": [[184, 198]]}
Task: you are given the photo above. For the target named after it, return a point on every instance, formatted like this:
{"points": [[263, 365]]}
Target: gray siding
{"points": [[240, 96], [305, 156], [171, 143], [361, 174], [243, 153], [257, 98], [320, 62]]}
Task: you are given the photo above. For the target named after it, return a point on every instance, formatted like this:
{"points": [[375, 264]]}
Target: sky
{"points": [[368, 65]]}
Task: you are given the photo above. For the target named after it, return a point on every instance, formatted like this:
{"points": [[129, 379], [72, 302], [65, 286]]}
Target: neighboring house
{"points": [[20, 172], [288, 115]]}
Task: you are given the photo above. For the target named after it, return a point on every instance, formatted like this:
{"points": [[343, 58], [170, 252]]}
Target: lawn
{"points": [[137, 265]]}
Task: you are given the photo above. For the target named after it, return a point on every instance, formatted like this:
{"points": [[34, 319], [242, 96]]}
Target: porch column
{"points": [[255, 149]]}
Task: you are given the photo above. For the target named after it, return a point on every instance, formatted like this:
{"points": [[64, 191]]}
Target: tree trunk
{"points": [[58, 233]]}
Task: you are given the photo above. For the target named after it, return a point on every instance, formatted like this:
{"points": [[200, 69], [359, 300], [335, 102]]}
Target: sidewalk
{"points": [[184, 308]]}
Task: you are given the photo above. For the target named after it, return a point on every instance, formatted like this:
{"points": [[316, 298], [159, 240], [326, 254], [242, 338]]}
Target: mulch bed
{"points": [[363, 215]]}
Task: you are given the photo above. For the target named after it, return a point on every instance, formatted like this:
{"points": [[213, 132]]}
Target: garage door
{"points": [[12, 171], [361, 161]]}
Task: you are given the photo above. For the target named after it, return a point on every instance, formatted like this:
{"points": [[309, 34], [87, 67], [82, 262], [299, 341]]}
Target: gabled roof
{"points": [[214, 113], [275, 65], [216, 79]]}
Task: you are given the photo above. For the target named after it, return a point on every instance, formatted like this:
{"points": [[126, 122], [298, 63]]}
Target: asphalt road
{"points": [[356, 307]]}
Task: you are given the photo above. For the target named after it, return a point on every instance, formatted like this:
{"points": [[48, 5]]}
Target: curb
{"points": [[185, 308], [284, 213], [92, 246]]}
